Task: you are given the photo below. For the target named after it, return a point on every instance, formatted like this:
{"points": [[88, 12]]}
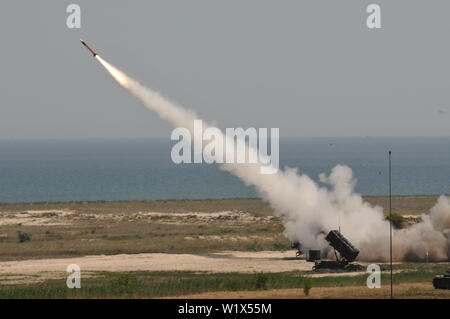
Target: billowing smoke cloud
{"points": [[310, 210]]}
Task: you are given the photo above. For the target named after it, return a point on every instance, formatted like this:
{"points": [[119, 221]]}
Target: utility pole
{"points": [[390, 220]]}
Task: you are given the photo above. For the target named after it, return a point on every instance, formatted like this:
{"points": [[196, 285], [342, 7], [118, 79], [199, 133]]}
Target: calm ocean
{"points": [[141, 169]]}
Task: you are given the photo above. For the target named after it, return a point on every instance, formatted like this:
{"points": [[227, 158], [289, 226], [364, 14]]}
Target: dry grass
{"points": [[188, 285], [404, 205], [96, 231], [404, 290], [86, 228]]}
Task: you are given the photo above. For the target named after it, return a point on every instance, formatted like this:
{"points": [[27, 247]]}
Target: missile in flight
{"points": [[89, 48]]}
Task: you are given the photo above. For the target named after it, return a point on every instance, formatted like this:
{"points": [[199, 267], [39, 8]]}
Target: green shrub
{"points": [[261, 281], [22, 236], [281, 245], [307, 285], [397, 220], [124, 284]]}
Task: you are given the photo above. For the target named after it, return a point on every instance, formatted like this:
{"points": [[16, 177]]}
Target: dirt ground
{"points": [[244, 262], [36, 270]]}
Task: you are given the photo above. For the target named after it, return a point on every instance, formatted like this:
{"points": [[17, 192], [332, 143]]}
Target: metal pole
{"points": [[390, 221]]}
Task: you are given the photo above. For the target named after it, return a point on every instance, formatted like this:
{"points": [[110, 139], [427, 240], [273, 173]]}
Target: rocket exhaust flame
{"points": [[118, 75], [309, 210]]}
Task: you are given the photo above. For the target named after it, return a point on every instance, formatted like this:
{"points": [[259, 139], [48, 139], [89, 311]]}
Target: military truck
{"points": [[442, 281], [344, 251]]}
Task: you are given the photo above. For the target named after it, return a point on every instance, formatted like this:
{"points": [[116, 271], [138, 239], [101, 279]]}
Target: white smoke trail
{"points": [[311, 211]]}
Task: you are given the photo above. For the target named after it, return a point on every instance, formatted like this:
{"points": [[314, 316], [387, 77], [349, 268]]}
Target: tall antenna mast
{"points": [[390, 220], [339, 222]]}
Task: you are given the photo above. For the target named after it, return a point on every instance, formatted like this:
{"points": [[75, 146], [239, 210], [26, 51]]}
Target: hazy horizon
{"points": [[168, 137]]}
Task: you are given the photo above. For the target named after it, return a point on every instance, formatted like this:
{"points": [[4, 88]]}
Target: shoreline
{"points": [[189, 199], [404, 205]]}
